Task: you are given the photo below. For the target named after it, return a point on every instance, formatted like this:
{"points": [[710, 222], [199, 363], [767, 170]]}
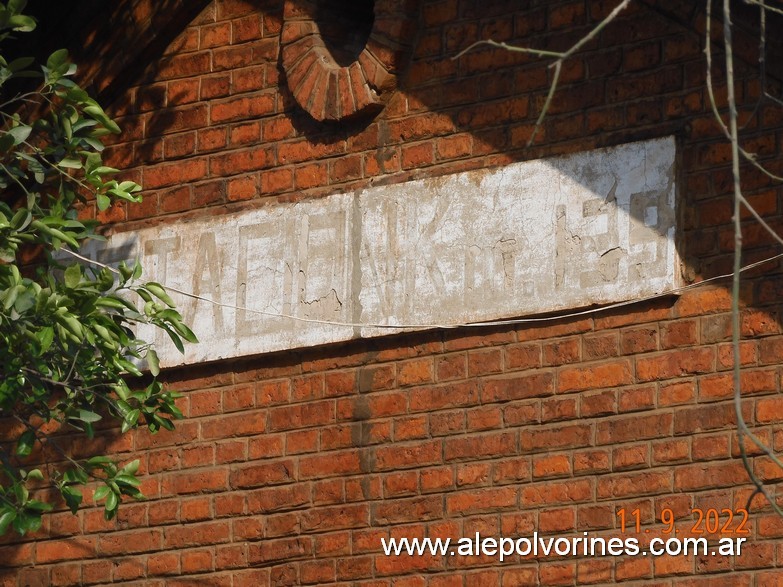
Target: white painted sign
{"points": [[532, 237]]}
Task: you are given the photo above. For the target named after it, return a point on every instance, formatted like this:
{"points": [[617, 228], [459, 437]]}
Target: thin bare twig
{"points": [[557, 65], [742, 427], [749, 157], [764, 7], [507, 47]]}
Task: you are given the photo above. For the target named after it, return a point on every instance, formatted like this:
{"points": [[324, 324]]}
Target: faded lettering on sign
{"points": [[531, 237]]}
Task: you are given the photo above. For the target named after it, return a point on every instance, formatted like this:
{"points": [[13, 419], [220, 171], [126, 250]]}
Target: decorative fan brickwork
{"points": [[321, 83]]}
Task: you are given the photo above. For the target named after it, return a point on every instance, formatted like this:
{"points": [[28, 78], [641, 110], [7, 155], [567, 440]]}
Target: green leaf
{"points": [[112, 501], [137, 269], [57, 59], [35, 475], [98, 114], [38, 506], [103, 202], [130, 420], [132, 467], [159, 291], [20, 133], [10, 295], [101, 493], [153, 362], [96, 461], [45, 338], [127, 366], [6, 518], [73, 498], [184, 331], [70, 163], [27, 522], [75, 475], [24, 446], [73, 326], [88, 416], [16, 6], [37, 224], [73, 275], [22, 23], [24, 301], [127, 479], [21, 219], [21, 63]]}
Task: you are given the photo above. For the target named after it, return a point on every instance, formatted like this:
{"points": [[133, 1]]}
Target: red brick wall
{"points": [[290, 468]]}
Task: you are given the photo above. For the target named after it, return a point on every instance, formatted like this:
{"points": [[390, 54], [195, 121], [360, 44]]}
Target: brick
{"points": [[676, 393], [489, 499], [263, 474], [51, 551], [473, 474], [635, 484], [197, 509], [408, 455], [704, 476], [768, 410], [705, 417], [675, 364], [417, 155], [241, 424], [552, 466], [557, 409], [715, 387], [600, 346], [668, 451], [629, 428], [276, 180], [518, 387], [203, 534], [240, 161], [454, 147], [328, 465], [242, 108], [522, 356], [679, 333], [630, 457], [243, 188], [561, 436], [637, 398], [202, 481], [196, 561], [311, 175], [639, 340], [562, 351], [175, 173], [478, 446], [704, 301], [444, 396], [301, 415], [489, 418], [415, 372], [485, 362], [601, 375], [177, 119], [598, 403], [707, 448]]}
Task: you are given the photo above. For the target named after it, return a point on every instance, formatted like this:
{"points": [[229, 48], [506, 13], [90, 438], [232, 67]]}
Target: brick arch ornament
{"points": [[329, 91]]}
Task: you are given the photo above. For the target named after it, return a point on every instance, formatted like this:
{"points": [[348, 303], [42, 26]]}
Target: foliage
{"points": [[66, 340]]}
